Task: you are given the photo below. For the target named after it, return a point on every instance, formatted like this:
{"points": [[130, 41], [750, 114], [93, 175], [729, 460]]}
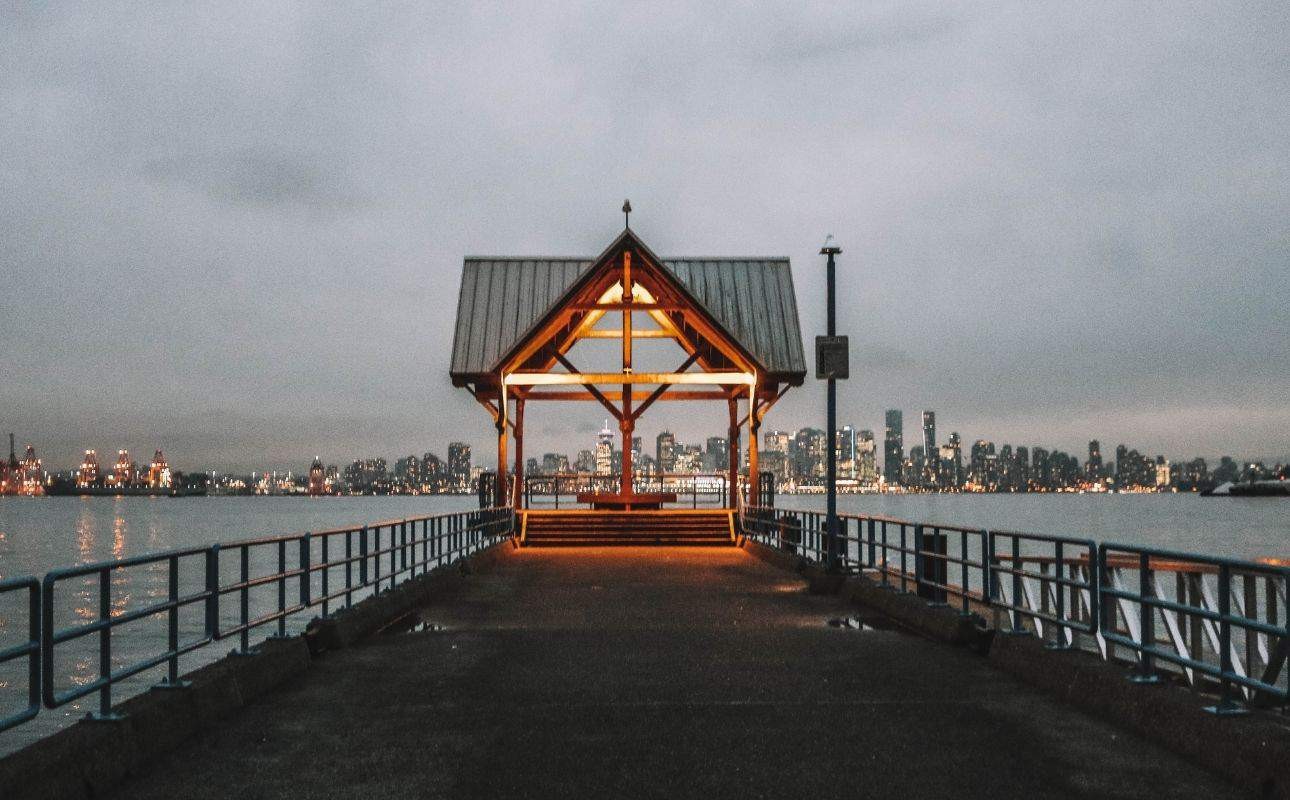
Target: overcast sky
{"points": [[235, 232]]}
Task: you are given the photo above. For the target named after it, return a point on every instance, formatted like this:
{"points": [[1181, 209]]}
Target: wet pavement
{"points": [[659, 672]]}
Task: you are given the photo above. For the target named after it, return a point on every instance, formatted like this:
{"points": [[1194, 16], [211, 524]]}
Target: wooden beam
{"points": [[674, 395], [623, 306], [592, 378], [596, 393], [657, 393], [605, 333]]}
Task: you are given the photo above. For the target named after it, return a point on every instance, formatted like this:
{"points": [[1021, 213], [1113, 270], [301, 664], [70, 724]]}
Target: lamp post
{"points": [[831, 363]]}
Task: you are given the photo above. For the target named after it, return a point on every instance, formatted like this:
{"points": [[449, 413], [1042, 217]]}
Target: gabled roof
{"points": [[503, 298]]}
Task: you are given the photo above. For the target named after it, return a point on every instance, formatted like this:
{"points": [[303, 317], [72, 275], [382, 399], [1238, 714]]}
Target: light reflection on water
{"points": [[37, 535]]}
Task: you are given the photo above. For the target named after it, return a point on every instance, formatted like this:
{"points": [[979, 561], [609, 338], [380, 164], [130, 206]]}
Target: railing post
{"points": [[918, 559], [212, 592], [244, 601], [306, 573], [1146, 624], [171, 681], [105, 649], [963, 563], [349, 568], [869, 525], [282, 589], [1226, 705], [1065, 636], [376, 562], [1018, 626], [904, 564], [403, 546], [326, 571]]}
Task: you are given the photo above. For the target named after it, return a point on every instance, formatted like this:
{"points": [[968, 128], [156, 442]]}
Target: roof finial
{"points": [[627, 213]]}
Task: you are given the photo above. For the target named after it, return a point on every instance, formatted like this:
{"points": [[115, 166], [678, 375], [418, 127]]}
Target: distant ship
{"points": [[1270, 488]]}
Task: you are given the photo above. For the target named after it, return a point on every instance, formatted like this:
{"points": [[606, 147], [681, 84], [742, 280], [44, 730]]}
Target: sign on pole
{"points": [[832, 358]]}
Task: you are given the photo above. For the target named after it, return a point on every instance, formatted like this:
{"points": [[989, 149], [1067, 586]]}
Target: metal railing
{"points": [[305, 571], [29, 649], [693, 489], [1213, 627], [1226, 624], [1044, 581]]}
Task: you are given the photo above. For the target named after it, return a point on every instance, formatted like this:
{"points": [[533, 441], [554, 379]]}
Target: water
{"points": [[40, 534], [1236, 527]]}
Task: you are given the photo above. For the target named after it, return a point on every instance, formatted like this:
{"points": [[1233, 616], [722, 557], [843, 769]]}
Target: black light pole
{"points": [[831, 519]]}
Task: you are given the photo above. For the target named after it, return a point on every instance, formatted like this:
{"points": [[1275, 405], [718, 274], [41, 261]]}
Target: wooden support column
{"points": [[500, 491], [754, 431], [518, 471], [627, 424], [732, 440]]}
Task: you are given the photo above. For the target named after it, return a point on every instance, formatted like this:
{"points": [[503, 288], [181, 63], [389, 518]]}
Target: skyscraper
{"points": [[1093, 467], [605, 451], [717, 456], [866, 468], [845, 446], [665, 451], [893, 447], [459, 465], [929, 448]]}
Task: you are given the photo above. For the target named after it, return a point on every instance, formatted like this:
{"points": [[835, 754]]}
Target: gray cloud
{"points": [[236, 232]]}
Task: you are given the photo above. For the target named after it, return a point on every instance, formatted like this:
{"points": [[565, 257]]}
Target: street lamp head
{"points": [[829, 247]]}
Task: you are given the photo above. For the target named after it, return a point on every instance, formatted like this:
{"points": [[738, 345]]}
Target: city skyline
{"points": [[1034, 257]]}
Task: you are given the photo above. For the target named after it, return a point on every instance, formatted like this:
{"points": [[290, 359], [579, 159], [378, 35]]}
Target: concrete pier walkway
{"points": [[658, 672]]}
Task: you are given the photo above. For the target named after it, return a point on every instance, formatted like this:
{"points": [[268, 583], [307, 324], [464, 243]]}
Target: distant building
{"points": [[317, 478], [716, 456], [159, 472], [1164, 473], [844, 448], [554, 463], [931, 453], [33, 475], [1093, 467], [808, 453], [88, 473], [123, 471], [665, 451], [459, 466], [893, 447], [605, 451], [585, 463], [866, 458], [776, 442]]}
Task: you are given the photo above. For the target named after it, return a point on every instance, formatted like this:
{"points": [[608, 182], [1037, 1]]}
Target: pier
{"points": [[657, 635]]}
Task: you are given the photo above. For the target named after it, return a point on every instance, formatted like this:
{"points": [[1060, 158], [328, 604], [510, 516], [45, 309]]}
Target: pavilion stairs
{"points": [[591, 528]]}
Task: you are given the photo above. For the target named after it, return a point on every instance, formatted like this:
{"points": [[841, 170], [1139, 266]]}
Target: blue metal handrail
{"points": [[1147, 561], [107, 621], [29, 649], [1063, 553], [375, 557], [1079, 591]]}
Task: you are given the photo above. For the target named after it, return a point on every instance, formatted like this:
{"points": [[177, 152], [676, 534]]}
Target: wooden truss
{"points": [[538, 367]]}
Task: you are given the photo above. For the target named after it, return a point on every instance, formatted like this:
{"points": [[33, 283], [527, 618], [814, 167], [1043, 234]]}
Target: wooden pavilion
{"points": [[734, 319]]}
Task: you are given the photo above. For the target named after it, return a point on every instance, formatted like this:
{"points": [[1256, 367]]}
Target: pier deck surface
{"points": [[659, 672]]}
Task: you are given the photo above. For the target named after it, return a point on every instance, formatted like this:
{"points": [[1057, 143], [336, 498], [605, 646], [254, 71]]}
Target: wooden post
{"points": [[754, 468], [627, 425], [518, 471], [500, 491], [732, 476]]}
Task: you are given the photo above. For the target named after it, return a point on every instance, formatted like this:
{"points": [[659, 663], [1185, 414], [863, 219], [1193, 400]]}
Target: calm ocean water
{"points": [[39, 534]]}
